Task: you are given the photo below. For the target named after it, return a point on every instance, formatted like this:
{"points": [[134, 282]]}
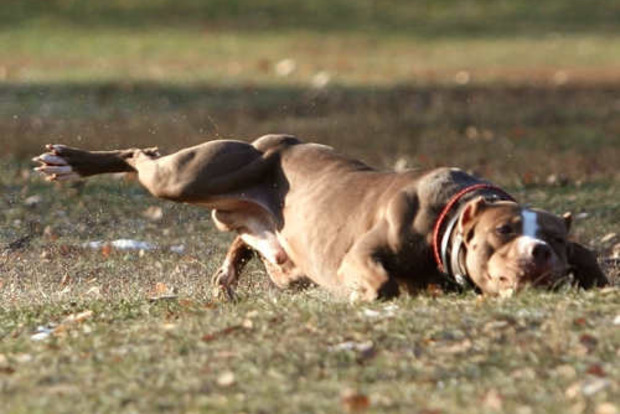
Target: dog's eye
{"points": [[504, 229]]}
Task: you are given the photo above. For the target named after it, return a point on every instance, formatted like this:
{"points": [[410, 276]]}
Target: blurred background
{"points": [[521, 91]]}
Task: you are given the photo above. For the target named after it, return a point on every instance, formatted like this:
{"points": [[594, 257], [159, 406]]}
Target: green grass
{"points": [[422, 17], [190, 56], [356, 43], [537, 352], [490, 130], [524, 93], [447, 354]]}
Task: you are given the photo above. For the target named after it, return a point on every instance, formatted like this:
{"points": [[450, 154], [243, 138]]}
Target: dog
{"points": [[315, 215]]}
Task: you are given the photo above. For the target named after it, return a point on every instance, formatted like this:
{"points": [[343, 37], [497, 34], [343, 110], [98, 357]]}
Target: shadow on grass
{"points": [[448, 18], [504, 133]]}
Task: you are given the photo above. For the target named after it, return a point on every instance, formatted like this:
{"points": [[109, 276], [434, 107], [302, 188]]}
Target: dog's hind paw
{"points": [[54, 166]]}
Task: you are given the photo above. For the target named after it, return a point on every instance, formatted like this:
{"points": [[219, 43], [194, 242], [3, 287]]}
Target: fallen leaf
{"points": [[353, 401], [33, 200], [95, 291], [162, 298], [388, 311], [352, 346], [615, 251], [608, 237], [168, 326], [153, 213], [434, 291], [320, 80], [50, 233], [371, 313], [223, 332], [252, 314], [60, 330], [226, 379], [66, 279], [455, 347], [492, 400], [285, 67], [77, 317], [566, 371], [7, 370], [588, 341], [580, 321], [606, 408], [106, 250], [597, 370], [225, 354], [160, 289], [23, 358], [573, 391], [462, 77], [525, 373], [495, 325], [187, 303], [527, 178], [62, 389]]}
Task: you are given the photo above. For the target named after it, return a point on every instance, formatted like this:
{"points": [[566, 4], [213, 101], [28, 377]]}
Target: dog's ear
{"points": [[584, 267], [468, 216]]}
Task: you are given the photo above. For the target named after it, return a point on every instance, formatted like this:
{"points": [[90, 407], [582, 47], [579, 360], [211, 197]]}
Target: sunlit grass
{"points": [[188, 56]]}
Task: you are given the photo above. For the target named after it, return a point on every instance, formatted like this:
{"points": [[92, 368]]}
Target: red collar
{"points": [[441, 219]]}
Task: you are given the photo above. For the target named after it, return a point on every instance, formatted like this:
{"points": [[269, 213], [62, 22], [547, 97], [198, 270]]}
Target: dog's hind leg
{"points": [[227, 276], [198, 174], [63, 163]]}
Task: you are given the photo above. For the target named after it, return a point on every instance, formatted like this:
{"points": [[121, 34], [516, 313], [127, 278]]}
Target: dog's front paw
{"points": [[223, 281], [55, 164]]}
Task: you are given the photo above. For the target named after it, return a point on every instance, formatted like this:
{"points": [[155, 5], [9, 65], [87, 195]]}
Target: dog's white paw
{"points": [[54, 166]]}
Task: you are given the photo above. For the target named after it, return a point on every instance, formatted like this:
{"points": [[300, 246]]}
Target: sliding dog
{"points": [[315, 215]]}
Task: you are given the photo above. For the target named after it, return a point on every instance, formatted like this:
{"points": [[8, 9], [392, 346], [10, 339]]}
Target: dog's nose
{"points": [[541, 253]]}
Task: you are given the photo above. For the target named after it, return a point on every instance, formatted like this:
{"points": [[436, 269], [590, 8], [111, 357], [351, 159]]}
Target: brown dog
{"points": [[314, 214]]}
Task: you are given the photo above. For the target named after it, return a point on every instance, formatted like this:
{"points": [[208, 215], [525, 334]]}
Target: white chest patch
{"points": [[530, 223]]}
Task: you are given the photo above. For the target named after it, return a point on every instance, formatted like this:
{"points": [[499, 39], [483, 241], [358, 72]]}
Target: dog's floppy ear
{"points": [[584, 267], [470, 212]]}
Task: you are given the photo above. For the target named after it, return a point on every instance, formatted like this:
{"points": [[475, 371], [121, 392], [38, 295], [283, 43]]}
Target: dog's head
{"points": [[508, 247]]}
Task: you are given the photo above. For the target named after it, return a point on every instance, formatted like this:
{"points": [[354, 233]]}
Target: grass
{"points": [[524, 93], [190, 56], [275, 351], [287, 351], [355, 43], [284, 355]]}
